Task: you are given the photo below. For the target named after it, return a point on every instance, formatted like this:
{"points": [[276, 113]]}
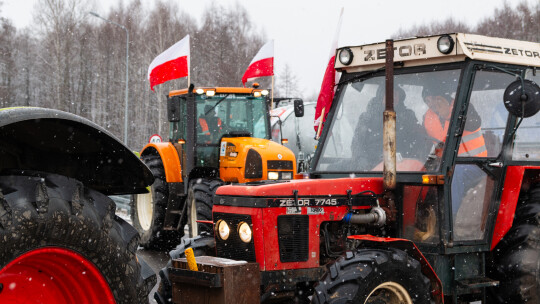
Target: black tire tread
{"points": [[203, 192], [156, 238], [36, 210], [515, 260], [352, 276]]}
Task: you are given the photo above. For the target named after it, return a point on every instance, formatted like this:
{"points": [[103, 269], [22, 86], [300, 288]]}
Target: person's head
{"points": [[432, 92], [438, 98]]}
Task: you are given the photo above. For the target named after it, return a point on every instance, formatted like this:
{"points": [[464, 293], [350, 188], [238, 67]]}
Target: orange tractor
{"points": [[425, 186], [217, 135]]}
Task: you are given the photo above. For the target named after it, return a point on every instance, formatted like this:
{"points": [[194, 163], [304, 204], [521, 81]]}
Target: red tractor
{"points": [[424, 188]]}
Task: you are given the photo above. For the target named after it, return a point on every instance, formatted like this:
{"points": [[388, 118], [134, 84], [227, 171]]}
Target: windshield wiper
{"points": [[222, 99], [364, 75]]}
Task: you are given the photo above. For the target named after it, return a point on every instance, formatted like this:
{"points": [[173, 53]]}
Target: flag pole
{"points": [[272, 101]]}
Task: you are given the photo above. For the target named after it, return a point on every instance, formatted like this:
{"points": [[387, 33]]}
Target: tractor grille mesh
{"points": [[293, 237], [233, 247], [279, 164]]}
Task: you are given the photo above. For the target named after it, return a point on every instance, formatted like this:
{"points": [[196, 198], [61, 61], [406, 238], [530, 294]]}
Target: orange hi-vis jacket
{"points": [[204, 125], [472, 142]]}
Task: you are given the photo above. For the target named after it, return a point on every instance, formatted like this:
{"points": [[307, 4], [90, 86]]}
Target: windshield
{"points": [[227, 113], [354, 142]]}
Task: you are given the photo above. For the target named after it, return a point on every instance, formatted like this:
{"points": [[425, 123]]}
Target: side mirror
{"points": [[173, 109], [522, 98], [298, 108]]}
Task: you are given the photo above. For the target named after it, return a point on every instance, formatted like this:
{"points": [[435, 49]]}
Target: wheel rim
{"points": [[53, 274], [145, 210], [193, 216], [389, 293]]}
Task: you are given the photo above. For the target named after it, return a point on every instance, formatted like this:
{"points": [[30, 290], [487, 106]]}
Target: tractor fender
{"points": [[169, 157], [54, 141], [409, 247]]}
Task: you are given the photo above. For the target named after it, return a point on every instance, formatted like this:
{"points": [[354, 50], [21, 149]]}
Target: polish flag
{"points": [[328, 86], [171, 64], [262, 64]]}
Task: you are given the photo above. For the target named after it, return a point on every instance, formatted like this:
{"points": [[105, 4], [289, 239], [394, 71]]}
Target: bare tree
{"points": [[287, 84]]}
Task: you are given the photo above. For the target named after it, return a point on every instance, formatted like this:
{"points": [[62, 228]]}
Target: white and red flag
{"points": [[328, 86], [262, 64], [171, 64]]}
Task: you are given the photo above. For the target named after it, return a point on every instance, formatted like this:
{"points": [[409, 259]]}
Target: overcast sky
{"points": [[303, 30]]}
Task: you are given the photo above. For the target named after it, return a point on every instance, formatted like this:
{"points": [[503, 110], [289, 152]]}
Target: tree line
{"points": [[71, 61], [521, 22]]}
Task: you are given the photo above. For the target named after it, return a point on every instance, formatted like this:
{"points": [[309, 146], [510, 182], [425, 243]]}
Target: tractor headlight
{"points": [[210, 93], [264, 92], [199, 91], [244, 231], [345, 56], [286, 175], [223, 230], [257, 94], [273, 175], [445, 44]]}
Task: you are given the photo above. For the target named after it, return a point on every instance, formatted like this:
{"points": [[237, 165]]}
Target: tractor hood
{"points": [[53, 141], [305, 187]]}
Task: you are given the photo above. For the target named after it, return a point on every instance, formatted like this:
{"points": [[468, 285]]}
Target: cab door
{"points": [[480, 163]]}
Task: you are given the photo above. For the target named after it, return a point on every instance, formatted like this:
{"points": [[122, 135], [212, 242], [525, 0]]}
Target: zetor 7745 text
{"points": [[425, 185]]}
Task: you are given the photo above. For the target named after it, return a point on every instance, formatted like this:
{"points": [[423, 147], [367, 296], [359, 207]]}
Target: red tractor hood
{"points": [[318, 187]]}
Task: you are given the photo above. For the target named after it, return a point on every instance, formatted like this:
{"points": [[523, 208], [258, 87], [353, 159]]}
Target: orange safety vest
{"points": [[204, 125], [472, 142]]}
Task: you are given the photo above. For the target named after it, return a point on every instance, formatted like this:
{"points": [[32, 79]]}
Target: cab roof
{"points": [[423, 51], [219, 90]]}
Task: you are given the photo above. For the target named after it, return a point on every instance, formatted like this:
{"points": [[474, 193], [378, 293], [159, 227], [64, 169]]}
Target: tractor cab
{"points": [[218, 112]]}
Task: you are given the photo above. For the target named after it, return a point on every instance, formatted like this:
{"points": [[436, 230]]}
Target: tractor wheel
{"points": [[202, 245], [374, 276], [62, 242], [200, 202], [516, 259], [148, 210]]}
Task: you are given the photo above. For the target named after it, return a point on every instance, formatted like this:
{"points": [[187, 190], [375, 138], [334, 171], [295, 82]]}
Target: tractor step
{"points": [[478, 282], [175, 212]]}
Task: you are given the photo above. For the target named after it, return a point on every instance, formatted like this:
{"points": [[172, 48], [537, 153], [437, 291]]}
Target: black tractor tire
{"points": [[39, 210], [153, 236], [354, 277], [200, 202], [202, 245], [515, 260]]}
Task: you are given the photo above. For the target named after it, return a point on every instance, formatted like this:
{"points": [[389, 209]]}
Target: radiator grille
{"points": [[293, 237], [233, 247], [279, 164]]}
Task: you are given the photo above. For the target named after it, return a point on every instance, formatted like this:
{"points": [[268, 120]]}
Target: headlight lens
{"points": [[223, 230], [199, 91], [273, 175], [445, 44], [244, 231], [210, 93], [345, 56], [257, 94], [286, 175], [264, 92]]}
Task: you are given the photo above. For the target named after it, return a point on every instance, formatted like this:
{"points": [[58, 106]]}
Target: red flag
{"points": [[262, 64], [171, 64], [328, 86]]}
